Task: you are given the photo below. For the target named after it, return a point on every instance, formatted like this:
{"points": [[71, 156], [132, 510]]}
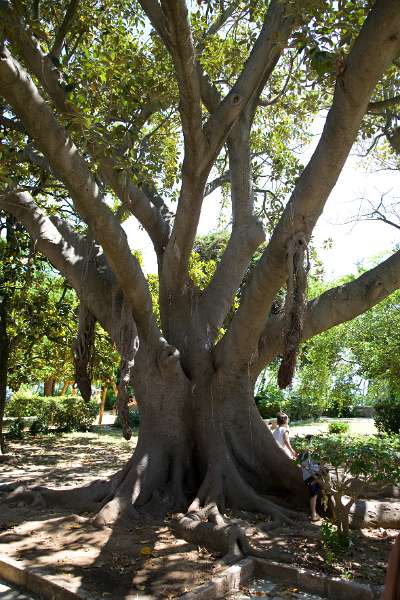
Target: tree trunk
{"points": [[200, 445], [4, 354], [49, 385]]}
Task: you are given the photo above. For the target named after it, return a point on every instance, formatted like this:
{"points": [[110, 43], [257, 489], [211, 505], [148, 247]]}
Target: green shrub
{"points": [[62, 413], [267, 408], [334, 542], [349, 463], [301, 407], [16, 429], [270, 401], [134, 418], [387, 415], [338, 427]]}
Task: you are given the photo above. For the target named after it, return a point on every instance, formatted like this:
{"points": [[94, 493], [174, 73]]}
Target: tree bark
{"points": [[4, 355], [48, 388]]}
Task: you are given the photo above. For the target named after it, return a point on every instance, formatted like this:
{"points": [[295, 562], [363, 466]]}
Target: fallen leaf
{"points": [[146, 551]]}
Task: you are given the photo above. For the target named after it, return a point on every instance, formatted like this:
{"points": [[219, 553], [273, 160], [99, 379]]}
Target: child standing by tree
{"points": [[310, 471], [281, 435]]}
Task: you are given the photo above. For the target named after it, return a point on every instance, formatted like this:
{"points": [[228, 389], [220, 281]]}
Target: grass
{"points": [[357, 425], [107, 434]]}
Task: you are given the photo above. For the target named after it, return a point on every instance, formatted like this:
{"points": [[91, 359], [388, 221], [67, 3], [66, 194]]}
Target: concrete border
{"points": [[333, 588], [39, 582], [244, 571], [228, 581]]}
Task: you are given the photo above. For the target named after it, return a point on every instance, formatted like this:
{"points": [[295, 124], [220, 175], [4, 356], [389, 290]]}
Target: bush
{"points": [[338, 427], [364, 458], [270, 401], [134, 418], [301, 407], [387, 415], [62, 413], [16, 429]]}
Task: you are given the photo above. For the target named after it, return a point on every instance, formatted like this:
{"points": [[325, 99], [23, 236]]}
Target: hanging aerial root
{"points": [[83, 348], [295, 304]]}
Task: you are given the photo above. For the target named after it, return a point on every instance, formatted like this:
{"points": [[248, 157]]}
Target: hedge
{"points": [[59, 413]]}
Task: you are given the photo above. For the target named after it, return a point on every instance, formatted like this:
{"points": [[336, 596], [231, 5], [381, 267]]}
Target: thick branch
{"points": [[277, 27], [247, 233], [353, 90], [52, 139], [345, 302], [44, 69], [380, 106], [335, 306], [183, 56], [63, 31], [66, 257]]}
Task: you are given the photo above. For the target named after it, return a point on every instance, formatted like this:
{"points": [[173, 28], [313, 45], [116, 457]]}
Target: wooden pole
{"points": [[65, 387], [115, 389], [103, 402]]}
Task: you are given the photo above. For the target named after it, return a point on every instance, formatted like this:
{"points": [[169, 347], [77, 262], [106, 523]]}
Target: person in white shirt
{"points": [[281, 435]]}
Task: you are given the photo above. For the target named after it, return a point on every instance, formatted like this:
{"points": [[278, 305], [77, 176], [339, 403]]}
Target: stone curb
{"points": [[244, 571], [314, 582], [37, 581], [228, 581]]}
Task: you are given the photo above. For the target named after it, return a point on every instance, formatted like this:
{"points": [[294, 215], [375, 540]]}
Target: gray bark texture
{"points": [[202, 444]]}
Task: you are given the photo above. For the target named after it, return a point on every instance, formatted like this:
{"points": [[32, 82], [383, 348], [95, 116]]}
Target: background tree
{"points": [[124, 120]]}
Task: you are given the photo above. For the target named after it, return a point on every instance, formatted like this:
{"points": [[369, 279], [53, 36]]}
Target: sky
{"points": [[352, 243]]}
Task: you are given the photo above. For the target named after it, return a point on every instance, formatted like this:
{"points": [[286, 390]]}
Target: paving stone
{"points": [[268, 587]]}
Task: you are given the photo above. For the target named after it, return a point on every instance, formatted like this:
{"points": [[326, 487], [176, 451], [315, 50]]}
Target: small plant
{"points": [[16, 429], [335, 543], [338, 427]]}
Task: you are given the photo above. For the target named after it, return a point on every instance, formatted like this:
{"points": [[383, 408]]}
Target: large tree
{"points": [[107, 115]]}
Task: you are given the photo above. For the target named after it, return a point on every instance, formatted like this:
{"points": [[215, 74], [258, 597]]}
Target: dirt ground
{"points": [[146, 558]]}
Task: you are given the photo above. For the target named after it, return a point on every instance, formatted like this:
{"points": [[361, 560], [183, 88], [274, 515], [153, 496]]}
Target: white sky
{"points": [[352, 242]]}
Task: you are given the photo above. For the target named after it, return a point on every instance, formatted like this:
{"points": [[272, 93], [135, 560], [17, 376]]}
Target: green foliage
{"points": [[300, 407], [348, 464], [134, 418], [387, 414], [16, 429], [62, 413], [334, 542], [338, 427], [270, 400]]}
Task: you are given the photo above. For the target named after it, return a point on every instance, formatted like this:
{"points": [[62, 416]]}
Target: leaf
{"points": [[146, 551]]}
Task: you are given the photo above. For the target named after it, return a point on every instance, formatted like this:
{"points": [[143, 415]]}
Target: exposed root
{"points": [[220, 536], [80, 499]]}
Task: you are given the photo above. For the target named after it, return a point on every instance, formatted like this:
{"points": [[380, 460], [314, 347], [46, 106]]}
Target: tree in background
{"points": [[115, 117]]}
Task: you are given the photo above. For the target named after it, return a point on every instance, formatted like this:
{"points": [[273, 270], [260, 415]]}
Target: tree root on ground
{"points": [[208, 528]]}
